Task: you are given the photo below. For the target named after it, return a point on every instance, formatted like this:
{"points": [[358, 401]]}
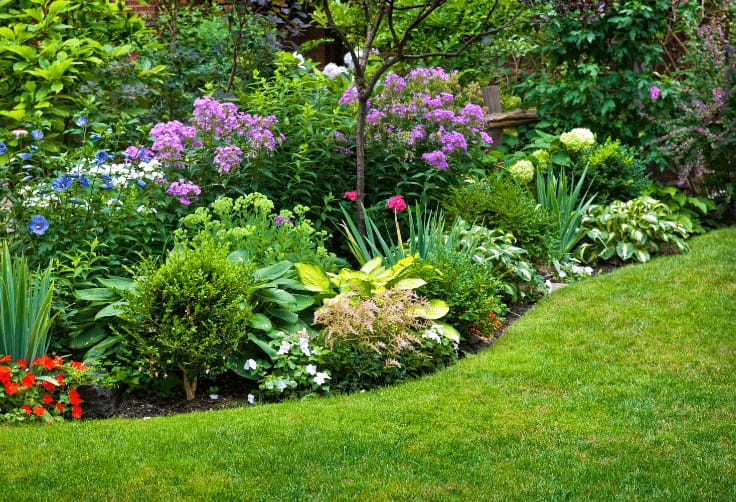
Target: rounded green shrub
{"points": [[189, 313]]}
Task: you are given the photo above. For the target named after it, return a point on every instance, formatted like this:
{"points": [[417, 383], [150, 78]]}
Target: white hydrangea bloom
{"points": [[522, 171], [577, 139]]}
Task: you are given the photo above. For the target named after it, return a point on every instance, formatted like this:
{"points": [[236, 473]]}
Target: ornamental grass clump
{"points": [[188, 314]]}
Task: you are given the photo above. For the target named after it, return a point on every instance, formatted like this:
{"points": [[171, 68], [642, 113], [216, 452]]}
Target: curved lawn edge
{"points": [[619, 387]]}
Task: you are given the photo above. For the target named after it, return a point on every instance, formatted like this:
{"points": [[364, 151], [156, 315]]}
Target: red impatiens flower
{"points": [[28, 380], [11, 388], [74, 397], [48, 399], [22, 363], [39, 410], [60, 407], [6, 359], [76, 412], [27, 409], [60, 379], [396, 203], [45, 361], [77, 365], [351, 196], [49, 386]]}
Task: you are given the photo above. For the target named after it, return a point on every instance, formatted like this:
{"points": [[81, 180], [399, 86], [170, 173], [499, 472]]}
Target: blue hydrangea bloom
{"points": [[38, 225]]}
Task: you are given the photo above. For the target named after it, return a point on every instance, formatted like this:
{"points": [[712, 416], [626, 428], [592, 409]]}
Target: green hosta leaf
{"points": [[272, 272], [449, 331], [287, 316], [302, 302], [279, 296], [638, 236], [436, 310], [263, 345], [650, 218], [95, 295], [607, 253], [88, 338], [409, 284], [112, 310], [313, 278], [642, 255], [239, 256], [625, 250], [118, 283], [261, 322]]}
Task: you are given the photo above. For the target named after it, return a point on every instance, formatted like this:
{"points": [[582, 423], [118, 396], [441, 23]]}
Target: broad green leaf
{"points": [[88, 338], [313, 278], [118, 283], [112, 310], [261, 322], [285, 315], [95, 295], [625, 250], [409, 284], [272, 272]]}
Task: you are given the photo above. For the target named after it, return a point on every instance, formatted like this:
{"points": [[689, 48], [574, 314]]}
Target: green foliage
{"points": [[632, 230], [600, 61], [686, 210], [262, 237], [25, 308], [499, 202], [568, 202], [381, 339], [189, 313], [49, 48], [207, 47], [617, 172], [313, 163]]}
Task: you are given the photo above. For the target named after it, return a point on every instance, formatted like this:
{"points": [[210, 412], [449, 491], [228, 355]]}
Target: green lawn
{"points": [[619, 387]]}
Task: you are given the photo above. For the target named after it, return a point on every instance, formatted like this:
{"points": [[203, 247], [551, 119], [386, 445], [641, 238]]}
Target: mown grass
{"points": [[622, 387]]}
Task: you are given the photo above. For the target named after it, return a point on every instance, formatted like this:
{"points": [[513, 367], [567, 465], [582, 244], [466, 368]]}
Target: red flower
{"points": [[39, 410], [74, 397], [4, 374], [48, 385], [6, 359], [60, 379], [11, 388], [396, 203], [60, 407], [28, 380], [48, 399], [76, 412], [492, 315], [22, 363], [26, 408], [351, 196], [45, 361], [77, 365]]}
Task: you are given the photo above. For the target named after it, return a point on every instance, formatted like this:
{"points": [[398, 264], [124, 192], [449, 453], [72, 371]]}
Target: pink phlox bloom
{"points": [[351, 196], [654, 92]]}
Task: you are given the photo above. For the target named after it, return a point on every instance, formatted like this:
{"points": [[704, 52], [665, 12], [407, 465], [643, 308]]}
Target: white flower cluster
{"points": [[577, 139], [332, 70], [522, 171]]}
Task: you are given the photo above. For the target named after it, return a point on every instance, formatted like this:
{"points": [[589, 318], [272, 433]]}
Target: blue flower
{"points": [[37, 134], [101, 156], [94, 137], [105, 178], [141, 183], [280, 220], [3, 147], [34, 148], [38, 225], [24, 155], [82, 122], [83, 181], [62, 183], [107, 186]]}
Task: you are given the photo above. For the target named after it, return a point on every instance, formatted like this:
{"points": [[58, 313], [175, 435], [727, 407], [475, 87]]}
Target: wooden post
{"points": [[492, 100]]}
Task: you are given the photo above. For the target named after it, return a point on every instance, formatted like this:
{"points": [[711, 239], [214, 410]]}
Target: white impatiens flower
{"points": [[300, 58], [577, 139], [284, 348], [320, 378], [251, 399], [250, 364], [304, 345], [311, 369]]}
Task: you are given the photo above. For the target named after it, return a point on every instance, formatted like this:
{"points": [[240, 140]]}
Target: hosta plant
{"points": [[632, 230]]}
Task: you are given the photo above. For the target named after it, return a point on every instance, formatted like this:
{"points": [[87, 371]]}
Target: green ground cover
{"points": [[619, 387]]}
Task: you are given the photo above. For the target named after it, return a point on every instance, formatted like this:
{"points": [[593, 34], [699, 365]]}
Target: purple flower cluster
{"points": [[184, 190], [422, 107], [226, 157], [170, 139]]}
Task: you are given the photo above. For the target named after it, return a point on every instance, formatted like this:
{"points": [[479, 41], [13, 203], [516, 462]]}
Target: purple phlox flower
{"points": [[439, 115], [62, 183], [473, 113], [446, 97], [38, 225], [394, 84], [184, 191], [280, 220], [452, 141], [485, 137], [37, 134], [418, 132], [654, 92], [349, 97], [170, 138], [226, 157], [431, 101], [435, 158], [374, 116]]}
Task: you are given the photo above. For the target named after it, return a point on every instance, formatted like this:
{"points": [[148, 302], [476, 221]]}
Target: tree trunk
{"points": [[360, 158], [190, 383]]}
